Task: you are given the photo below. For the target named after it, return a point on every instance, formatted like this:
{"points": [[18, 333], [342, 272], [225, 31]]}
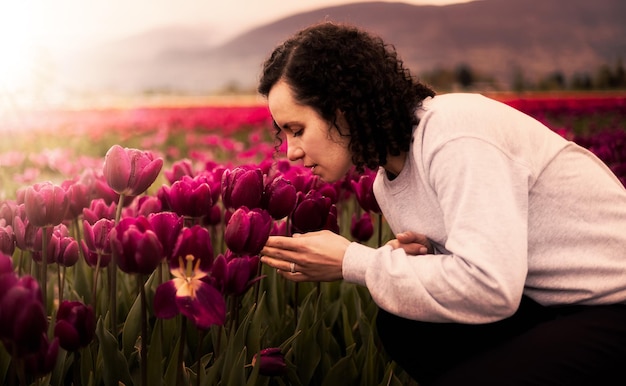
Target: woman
{"points": [[509, 264]]}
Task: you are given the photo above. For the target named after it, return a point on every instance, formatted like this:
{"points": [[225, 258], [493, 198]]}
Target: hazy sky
{"points": [[75, 22]]}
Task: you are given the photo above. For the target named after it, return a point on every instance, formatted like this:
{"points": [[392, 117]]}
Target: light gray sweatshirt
{"points": [[511, 207]]}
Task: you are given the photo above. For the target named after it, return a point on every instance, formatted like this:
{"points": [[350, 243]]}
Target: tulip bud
{"points": [[280, 198], [130, 171], [362, 227], [136, 245], [247, 230], [45, 204], [97, 241], [75, 325], [314, 212], [167, 226], [271, 362], [242, 187], [364, 192], [189, 196], [7, 238], [194, 241], [63, 249]]}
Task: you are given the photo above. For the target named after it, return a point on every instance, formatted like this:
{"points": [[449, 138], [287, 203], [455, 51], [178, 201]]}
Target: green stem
{"points": [[96, 275], [113, 272], [181, 351], [44, 267], [144, 330]]}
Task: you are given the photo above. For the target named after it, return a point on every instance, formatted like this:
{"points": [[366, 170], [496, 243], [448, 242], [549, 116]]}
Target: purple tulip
{"points": [[279, 198], [364, 192], [7, 238], [194, 241], [27, 236], [314, 212], [42, 362], [143, 206], [97, 241], [178, 170], [233, 274], [8, 211], [189, 196], [75, 325], [190, 295], [62, 249], [271, 362], [79, 196], [136, 245], [242, 187], [167, 226], [23, 321], [45, 204], [98, 209], [130, 171], [362, 228], [247, 230]]}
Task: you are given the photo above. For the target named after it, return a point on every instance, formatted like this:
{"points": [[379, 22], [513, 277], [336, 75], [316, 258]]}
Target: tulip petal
{"points": [[164, 301], [207, 308]]}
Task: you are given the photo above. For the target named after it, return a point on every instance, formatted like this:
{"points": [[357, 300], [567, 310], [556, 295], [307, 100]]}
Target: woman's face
{"points": [[310, 138]]}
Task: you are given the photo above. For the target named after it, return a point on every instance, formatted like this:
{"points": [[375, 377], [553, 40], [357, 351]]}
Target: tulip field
{"points": [[130, 241]]}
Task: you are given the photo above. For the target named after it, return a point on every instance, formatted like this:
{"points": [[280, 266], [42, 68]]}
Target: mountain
{"points": [[495, 37]]}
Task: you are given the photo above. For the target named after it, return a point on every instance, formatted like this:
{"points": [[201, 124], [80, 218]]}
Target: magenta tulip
{"points": [[279, 198], [98, 209], [189, 196], [242, 187], [43, 361], [364, 192], [362, 228], [75, 325], [97, 241], [247, 230], [314, 212], [167, 226], [233, 274], [23, 321], [190, 295], [271, 362], [178, 170], [79, 196], [63, 249], [130, 171], [45, 204], [7, 238], [137, 247], [194, 241]]}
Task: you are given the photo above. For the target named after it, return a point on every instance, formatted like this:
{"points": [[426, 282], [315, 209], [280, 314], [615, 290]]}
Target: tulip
{"points": [[130, 172], [7, 238], [63, 249], [271, 362], [45, 204], [189, 295], [233, 274], [242, 187], [97, 242], [179, 169], [194, 241], [189, 197], [143, 206], [167, 226], [362, 228], [364, 192], [75, 325], [8, 211], [99, 209], [136, 245], [27, 236], [280, 198], [247, 230], [79, 196], [314, 212], [43, 361], [23, 320]]}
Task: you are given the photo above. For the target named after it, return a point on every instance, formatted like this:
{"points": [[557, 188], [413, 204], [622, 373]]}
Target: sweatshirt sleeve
{"points": [[483, 196]]}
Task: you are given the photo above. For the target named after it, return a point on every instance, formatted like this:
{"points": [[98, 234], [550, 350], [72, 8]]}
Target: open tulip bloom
{"points": [[190, 295]]}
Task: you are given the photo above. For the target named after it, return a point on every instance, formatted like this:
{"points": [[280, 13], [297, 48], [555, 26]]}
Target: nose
{"points": [[294, 151]]}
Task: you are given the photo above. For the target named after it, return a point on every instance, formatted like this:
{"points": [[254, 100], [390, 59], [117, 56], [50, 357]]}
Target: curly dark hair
{"points": [[339, 67]]}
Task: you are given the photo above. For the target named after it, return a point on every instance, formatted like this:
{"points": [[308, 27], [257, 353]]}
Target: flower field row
{"points": [[130, 240]]}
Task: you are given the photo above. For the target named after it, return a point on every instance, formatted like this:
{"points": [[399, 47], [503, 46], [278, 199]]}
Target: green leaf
{"points": [[132, 328], [115, 368], [155, 357], [344, 372]]}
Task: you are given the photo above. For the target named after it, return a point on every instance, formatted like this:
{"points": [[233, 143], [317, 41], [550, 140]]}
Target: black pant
{"points": [[573, 345]]}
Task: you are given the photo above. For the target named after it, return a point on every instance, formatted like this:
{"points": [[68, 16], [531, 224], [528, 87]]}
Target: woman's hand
{"points": [[316, 256], [412, 243]]}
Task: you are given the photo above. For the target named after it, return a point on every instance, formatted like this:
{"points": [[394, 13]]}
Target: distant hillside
{"points": [[497, 37]]}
